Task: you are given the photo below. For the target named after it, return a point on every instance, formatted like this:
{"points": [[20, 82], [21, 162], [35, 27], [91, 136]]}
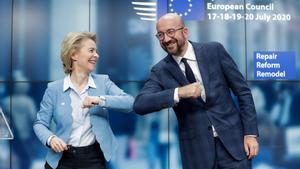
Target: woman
{"points": [[82, 137]]}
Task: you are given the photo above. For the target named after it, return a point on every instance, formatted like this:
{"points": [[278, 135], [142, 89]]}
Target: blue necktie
{"points": [[188, 71]]}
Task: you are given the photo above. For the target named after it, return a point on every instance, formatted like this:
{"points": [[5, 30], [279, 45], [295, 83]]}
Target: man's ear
{"points": [[185, 32]]}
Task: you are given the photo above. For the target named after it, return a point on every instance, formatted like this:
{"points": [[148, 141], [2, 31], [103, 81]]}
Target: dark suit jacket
{"points": [[220, 75]]}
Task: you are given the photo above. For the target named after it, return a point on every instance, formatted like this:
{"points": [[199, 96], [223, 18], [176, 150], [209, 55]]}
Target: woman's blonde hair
{"points": [[70, 45]]}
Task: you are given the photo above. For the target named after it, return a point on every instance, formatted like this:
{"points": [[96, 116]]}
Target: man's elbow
{"points": [[140, 109]]}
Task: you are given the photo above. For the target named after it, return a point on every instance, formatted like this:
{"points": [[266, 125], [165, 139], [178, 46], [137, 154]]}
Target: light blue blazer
{"points": [[56, 106]]}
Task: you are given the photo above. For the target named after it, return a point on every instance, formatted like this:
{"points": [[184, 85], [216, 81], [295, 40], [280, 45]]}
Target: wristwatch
{"points": [[102, 101]]}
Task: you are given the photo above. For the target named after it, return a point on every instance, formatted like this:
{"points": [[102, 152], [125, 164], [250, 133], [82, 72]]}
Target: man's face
{"points": [[172, 36]]}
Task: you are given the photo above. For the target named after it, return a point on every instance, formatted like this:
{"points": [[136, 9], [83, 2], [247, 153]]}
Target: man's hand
{"points": [[251, 146], [90, 101], [192, 90], [58, 145]]}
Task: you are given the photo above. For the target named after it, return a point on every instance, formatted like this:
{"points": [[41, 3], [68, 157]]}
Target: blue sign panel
{"points": [[274, 65]]}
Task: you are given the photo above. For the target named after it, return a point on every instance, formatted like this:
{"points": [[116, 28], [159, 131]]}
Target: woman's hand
{"points": [[91, 101], [58, 145]]}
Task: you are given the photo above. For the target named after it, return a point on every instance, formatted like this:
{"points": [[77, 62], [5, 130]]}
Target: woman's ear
{"points": [[74, 56]]}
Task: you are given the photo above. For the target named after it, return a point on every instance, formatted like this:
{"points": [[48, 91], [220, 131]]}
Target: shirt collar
{"points": [[189, 54], [68, 83]]}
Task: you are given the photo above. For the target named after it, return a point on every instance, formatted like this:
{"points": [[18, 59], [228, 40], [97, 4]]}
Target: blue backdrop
{"points": [[30, 38]]}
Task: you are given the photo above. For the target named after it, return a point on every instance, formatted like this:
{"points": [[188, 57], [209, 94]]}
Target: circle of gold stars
{"points": [[185, 13]]}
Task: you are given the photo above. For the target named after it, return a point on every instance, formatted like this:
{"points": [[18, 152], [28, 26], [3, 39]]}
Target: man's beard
{"points": [[178, 47]]}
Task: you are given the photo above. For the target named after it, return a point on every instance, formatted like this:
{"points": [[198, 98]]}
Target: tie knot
{"points": [[184, 60]]}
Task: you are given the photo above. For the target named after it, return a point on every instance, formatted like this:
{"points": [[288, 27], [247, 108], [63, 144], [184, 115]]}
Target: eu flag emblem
{"points": [[187, 9]]}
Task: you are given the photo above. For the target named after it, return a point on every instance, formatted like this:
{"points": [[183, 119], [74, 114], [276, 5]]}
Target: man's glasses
{"points": [[169, 32]]}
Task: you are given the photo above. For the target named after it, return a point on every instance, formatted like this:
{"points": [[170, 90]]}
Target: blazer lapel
{"points": [[203, 66], [66, 102], [65, 109], [93, 92], [175, 70]]}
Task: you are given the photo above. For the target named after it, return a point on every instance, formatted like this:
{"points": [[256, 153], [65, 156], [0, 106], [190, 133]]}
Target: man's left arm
{"points": [[240, 88]]}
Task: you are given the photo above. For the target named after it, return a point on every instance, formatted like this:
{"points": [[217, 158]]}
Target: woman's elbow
{"points": [[129, 107]]}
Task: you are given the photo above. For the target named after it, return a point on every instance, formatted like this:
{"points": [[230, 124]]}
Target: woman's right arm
{"points": [[43, 118], [42, 124]]}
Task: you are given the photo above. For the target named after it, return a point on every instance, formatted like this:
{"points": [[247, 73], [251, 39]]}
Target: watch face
{"points": [[102, 101], [102, 98]]}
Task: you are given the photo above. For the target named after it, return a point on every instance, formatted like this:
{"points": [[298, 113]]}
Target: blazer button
{"points": [[209, 127], [205, 107]]}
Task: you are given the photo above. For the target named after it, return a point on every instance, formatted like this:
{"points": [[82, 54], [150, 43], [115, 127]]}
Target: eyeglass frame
{"points": [[166, 33]]}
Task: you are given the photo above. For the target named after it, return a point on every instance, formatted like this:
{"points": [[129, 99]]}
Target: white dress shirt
{"points": [[81, 132], [191, 59]]}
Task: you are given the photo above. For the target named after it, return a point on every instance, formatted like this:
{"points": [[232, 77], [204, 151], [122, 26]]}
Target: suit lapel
{"points": [[203, 66], [175, 70]]}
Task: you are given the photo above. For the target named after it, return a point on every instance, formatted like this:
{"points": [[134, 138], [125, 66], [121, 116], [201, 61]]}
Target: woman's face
{"points": [[85, 59]]}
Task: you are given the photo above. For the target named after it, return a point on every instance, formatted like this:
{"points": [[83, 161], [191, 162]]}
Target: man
{"points": [[196, 79]]}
